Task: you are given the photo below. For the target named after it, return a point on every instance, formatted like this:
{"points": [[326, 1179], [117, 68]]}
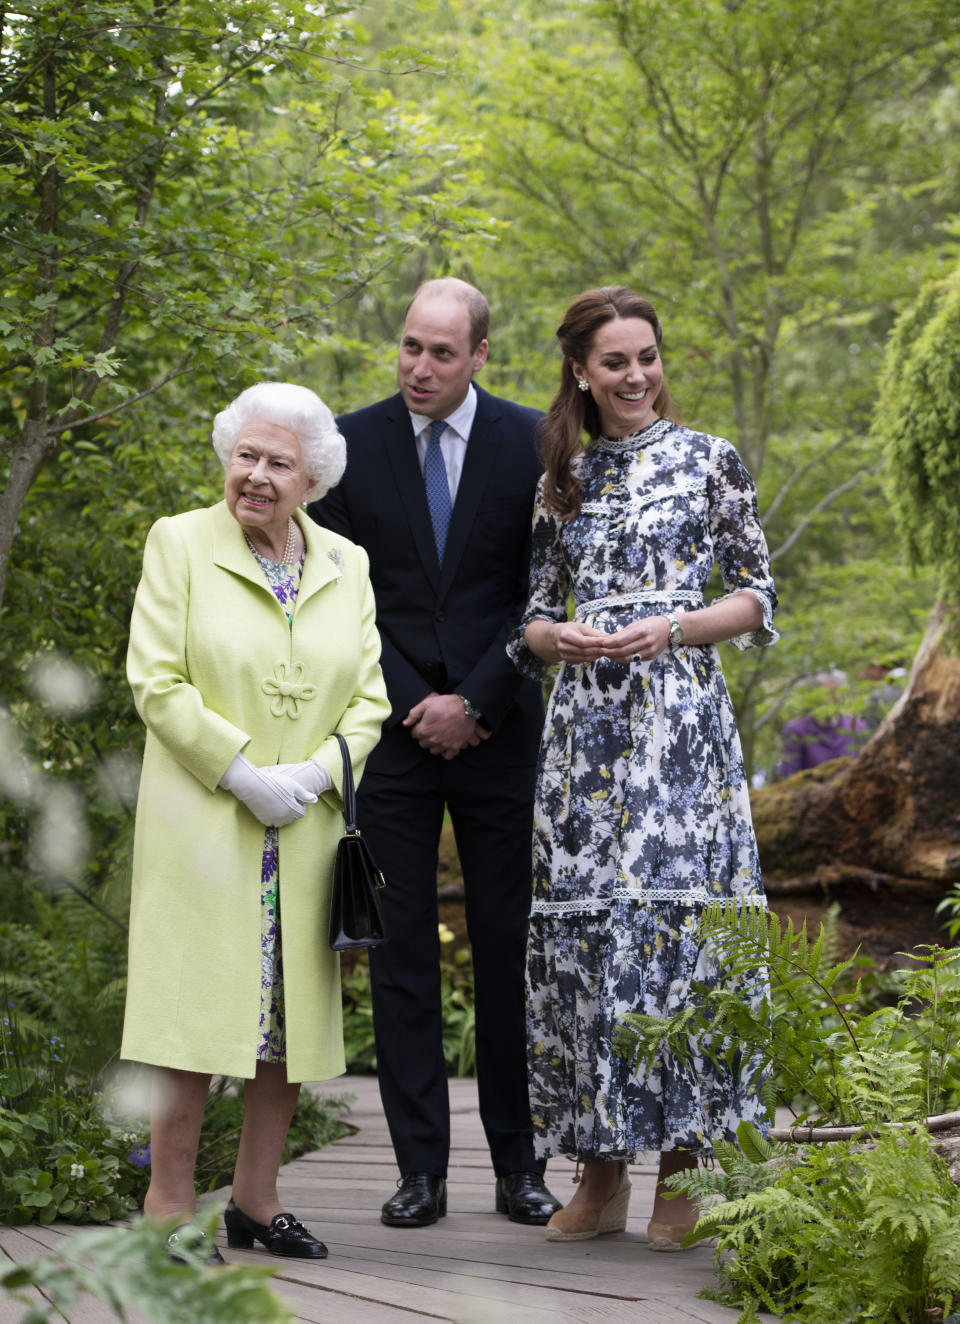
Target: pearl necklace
{"points": [[290, 546]]}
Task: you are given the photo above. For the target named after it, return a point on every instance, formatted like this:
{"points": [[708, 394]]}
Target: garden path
{"points": [[473, 1267]]}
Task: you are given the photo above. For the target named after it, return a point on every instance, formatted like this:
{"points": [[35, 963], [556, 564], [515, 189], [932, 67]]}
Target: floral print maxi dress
{"points": [[271, 1037], [642, 812]]}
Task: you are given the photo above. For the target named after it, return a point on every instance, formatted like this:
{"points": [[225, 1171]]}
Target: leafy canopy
{"points": [[917, 417], [189, 189]]}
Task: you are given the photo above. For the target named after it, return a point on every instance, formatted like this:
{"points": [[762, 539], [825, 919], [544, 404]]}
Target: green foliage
{"points": [[456, 992], [358, 1037], [61, 1154], [813, 1045], [835, 615], [64, 1154], [950, 905], [744, 165], [79, 1186], [917, 418], [60, 985], [840, 1232], [191, 202], [459, 1023], [128, 1271]]}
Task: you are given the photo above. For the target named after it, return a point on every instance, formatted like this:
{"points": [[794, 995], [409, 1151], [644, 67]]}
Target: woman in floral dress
{"points": [[642, 813]]}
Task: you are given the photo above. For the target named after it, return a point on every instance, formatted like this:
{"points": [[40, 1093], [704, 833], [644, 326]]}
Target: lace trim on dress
{"points": [[671, 896], [652, 432], [592, 605], [611, 506]]}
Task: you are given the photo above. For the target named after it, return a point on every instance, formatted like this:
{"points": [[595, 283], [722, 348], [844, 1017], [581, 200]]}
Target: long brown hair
{"points": [[572, 411]]}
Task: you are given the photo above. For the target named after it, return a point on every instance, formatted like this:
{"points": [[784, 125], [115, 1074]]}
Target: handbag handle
{"points": [[349, 791]]}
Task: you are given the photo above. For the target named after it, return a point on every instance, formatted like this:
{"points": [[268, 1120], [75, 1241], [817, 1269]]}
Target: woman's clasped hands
{"points": [[276, 795], [575, 641]]}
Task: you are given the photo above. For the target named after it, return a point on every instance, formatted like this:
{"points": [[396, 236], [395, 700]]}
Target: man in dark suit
{"points": [[439, 489]]}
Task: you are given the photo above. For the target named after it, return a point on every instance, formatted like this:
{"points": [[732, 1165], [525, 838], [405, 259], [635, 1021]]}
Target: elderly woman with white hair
{"points": [[252, 642]]}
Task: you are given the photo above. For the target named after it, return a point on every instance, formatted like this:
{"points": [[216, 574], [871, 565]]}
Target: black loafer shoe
{"points": [[284, 1236], [524, 1198], [197, 1243], [420, 1200]]}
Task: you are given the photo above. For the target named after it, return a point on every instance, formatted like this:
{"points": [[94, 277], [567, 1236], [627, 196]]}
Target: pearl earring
{"points": [[583, 384]]}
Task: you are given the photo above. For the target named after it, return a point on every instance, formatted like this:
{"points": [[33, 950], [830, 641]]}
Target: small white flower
{"points": [[77, 1170]]}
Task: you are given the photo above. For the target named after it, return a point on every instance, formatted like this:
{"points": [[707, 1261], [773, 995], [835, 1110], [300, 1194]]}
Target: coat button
{"points": [[440, 617]]}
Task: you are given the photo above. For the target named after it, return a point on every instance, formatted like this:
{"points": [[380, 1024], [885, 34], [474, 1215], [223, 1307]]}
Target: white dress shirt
{"points": [[453, 439]]}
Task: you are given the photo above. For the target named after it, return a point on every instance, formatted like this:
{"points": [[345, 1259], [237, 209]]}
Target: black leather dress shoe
{"points": [[284, 1236], [420, 1200], [524, 1198]]}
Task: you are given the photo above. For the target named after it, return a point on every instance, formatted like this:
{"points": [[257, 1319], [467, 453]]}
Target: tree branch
{"points": [[797, 474], [821, 505]]}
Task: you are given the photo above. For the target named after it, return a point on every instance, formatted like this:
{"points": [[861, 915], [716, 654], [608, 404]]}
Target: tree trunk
{"points": [[879, 833], [30, 453]]}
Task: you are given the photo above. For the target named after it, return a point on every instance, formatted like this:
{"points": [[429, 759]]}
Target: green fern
{"points": [[749, 1166], [812, 1044], [754, 1146], [840, 1232]]}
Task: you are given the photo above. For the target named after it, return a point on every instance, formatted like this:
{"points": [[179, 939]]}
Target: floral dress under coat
{"points": [[642, 810], [284, 581]]}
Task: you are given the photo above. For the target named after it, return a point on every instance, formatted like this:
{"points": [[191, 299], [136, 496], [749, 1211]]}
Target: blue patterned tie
{"points": [[438, 487]]}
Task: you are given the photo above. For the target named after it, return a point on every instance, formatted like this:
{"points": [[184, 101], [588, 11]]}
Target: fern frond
{"points": [[112, 994], [754, 1146]]}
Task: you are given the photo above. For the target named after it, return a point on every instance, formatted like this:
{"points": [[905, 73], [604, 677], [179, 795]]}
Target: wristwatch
{"points": [[676, 630], [469, 710]]}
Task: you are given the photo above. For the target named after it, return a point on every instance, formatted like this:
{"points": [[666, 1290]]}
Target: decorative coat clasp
{"points": [[288, 689]]}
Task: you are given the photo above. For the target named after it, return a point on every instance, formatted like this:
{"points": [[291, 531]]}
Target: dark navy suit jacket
{"points": [[445, 629]]}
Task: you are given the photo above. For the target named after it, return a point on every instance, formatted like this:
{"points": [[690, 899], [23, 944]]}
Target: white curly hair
{"points": [[300, 411]]}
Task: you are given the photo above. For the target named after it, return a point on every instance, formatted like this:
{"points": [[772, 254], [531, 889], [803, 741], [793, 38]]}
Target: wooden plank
{"points": [[11, 1312], [472, 1267], [26, 1241], [479, 1278], [447, 1300], [619, 1271], [322, 1305], [15, 1248]]}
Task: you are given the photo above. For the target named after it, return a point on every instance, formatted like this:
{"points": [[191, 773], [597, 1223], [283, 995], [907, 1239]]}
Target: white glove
{"points": [[269, 794], [311, 775]]}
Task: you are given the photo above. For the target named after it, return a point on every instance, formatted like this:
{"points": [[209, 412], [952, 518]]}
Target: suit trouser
{"points": [[401, 816]]}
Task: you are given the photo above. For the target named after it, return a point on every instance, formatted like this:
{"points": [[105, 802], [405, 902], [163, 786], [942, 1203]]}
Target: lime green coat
{"points": [[216, 670]]}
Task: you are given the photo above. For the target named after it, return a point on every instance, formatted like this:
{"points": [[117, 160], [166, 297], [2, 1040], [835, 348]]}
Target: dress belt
{"points": [[592, 605]]}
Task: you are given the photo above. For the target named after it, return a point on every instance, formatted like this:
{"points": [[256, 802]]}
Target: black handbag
{"points": [[355, 918]]}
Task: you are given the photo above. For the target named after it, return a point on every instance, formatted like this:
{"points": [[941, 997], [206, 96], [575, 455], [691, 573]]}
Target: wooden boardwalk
{"points": [[473, 1267]]}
